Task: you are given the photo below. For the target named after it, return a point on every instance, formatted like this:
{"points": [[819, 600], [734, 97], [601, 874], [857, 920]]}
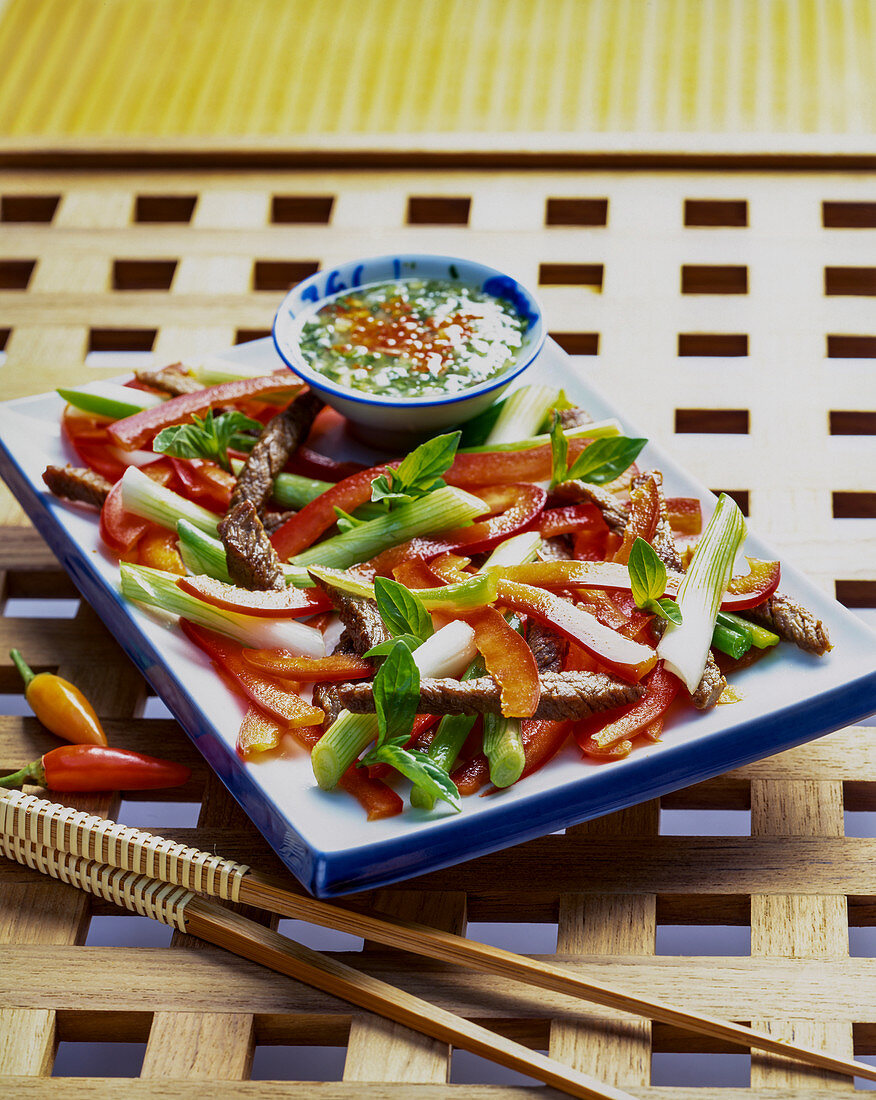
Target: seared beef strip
{"points": [[711, 684], [574, 418], [580, 492], [77, 483], [547, 647], [280, 438], [252, 560], [555, 548], [360, 617], [173, 380], [271, 521], [792, 622], [563, 695]]}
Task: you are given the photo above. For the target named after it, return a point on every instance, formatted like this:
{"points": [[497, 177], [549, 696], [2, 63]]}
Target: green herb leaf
{"points": [[381, 650], [668, 609], [420, 769], [418, 473], [402, 612], [209, 438], [605, 459], [647, 573], [559, 453], [396, 694]]}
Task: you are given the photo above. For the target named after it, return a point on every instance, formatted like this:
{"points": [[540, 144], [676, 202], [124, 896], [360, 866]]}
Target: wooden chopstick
{"points": [[69, 830], [201, 917]]}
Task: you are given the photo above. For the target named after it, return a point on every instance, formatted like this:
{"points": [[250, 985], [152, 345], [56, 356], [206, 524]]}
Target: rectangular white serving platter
{"points": [[788, 697]]}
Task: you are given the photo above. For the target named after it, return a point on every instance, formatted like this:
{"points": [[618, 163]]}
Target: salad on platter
{"points": [[442, 622]]}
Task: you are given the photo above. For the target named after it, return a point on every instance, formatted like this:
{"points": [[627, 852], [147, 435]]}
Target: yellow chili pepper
{"points": [[60, 705]]}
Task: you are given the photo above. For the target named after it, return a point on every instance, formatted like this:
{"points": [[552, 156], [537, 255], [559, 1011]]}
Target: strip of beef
{"points": [[663, 540], [574, 418], [555, 548], [174, 380], [362, 622], [280, 438], [792, 622], [563, 695], [252, 560], [77, 483], [711, 684], [547, 647], [582, 492], [271, 521]]}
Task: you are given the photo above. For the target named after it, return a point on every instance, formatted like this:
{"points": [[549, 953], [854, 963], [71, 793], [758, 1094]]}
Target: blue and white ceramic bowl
{"points": [[375, 414]]}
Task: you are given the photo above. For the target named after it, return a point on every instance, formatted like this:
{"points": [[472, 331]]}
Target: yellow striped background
{"points": [[290, 69]]}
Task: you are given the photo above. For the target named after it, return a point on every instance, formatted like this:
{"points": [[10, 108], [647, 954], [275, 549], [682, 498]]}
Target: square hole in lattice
{"points": [[317, 937], [143, 274], [848, 215], [850, 281], [158, 815], [438, 210], [164, 208], [739, 495], [15, 274], [572, 211], [861, 823], [130, 931], [5, 333], [121, 339], [853, 505], [727, 344], [862, 942], [13, 704], [470, 1069], [703, 939], [856, 593], [712, 213], [154, 707], [281, 274], [301, 209], [245, 335], [689, 1070], [711, 421], [298, 1063], [28, 208], [705, 822], [714, 279], [577, 343], [99, 1059], [851, 347], [852, 422], [524, 938], [25, 608], [864, 1084], [570, 275]]}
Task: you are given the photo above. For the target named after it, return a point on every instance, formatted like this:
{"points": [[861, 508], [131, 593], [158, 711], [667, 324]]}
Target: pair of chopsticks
{"points": [[173, 883]]}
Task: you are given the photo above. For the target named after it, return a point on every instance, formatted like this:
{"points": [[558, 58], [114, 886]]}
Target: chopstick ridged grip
{"points": [[82, 834], [161, 901]]}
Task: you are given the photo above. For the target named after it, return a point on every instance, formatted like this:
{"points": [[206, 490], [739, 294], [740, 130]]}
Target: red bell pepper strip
{"points": [[258, 733], [98, 768], [374, 795], [89, 439], [502, 467], [618, 751], [134, 431], [416, 574], [508, 659], [120, 530], [628, 659], [604, 731], [472, 775], [310, 463], [685, 515], [283, 603], [542, 740], [315, 518], [643, 519], [749, 589], [272, 697], [204, 482], [279, 663], [570, 520]]}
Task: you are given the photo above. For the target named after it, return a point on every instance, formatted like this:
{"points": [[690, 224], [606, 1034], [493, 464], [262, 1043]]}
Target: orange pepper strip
{"points": [[258, 733], [291, 666], [542, 740], [416, 574], [601, 733], [472, 775], [157, 549], [374, 795], [508, 658], [269, 695], [685, 515], [644, 516]]}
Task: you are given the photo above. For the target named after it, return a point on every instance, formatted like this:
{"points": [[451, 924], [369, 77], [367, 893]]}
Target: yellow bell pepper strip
{"points": [[134, 431], [508, 659], [749, 589], [627, 659], [98, 768], [685, 515], [258, 733], [59, 705]]}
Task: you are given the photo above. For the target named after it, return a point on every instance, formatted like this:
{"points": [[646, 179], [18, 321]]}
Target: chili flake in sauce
{"points": [[413, 337]]}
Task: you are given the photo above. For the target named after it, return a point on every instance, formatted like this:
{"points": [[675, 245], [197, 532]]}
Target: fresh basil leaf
{"points": [[382, 648], [418, 473], [208, 438], [396, 694], [559, 453], [670, 610], [402, 612], [419, 769], [605, 459], [647, 573]]}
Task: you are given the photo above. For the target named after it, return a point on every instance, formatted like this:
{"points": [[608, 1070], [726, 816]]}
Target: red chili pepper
{"points": [[98, 768], [601, 733], [283, 603], [59, 705], [277, 662], [508, 658], [134, 431], [272, 697]]}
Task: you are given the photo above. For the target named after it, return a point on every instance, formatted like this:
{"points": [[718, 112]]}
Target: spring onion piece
{"points": [[213, 371], [732, 642], [446, 653], [684, 648], [108, 400], [473, 592], [201, 553], [522, 414], [517, 550], [504, 749], [158, 589], [761, 638], [441, 510], [601, 429], [149, 500]]}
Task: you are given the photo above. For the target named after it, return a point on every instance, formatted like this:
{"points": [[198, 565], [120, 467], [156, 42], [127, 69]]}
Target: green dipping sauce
{"points": [[413, 337]]}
